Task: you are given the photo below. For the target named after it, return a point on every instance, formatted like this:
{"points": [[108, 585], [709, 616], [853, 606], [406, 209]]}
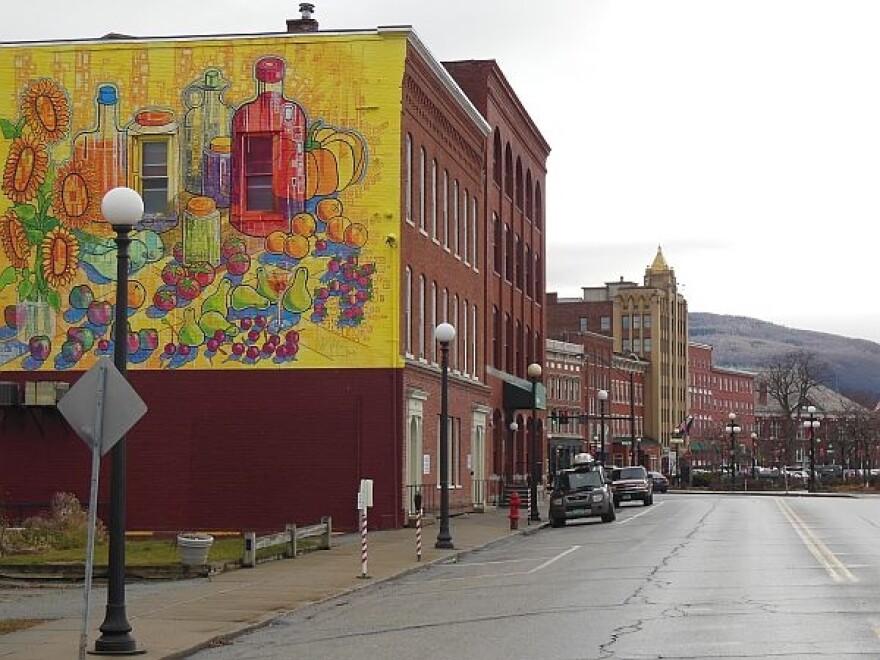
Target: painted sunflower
{"points": [[26, 168], [60, 257], [74, 197], [14, 240], [46, 110]]}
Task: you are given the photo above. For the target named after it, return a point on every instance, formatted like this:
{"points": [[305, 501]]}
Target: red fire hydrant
{"points": [[514, 510]]}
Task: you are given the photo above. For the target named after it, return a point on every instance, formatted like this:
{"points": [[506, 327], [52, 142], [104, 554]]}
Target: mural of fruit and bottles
{"points": [[245, 243]]}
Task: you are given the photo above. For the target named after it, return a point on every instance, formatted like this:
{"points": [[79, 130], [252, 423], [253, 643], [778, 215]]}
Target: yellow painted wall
{"points": [[213, 283]]}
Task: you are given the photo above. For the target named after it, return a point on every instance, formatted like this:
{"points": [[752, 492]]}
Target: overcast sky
{"points": [[741, 136]]}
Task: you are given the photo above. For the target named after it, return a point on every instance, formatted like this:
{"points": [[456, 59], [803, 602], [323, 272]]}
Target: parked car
{"points": [[581, 491], [661, 483], [632, 483]]}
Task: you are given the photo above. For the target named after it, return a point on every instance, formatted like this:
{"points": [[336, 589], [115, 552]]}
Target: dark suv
{"points": [[581, 491], [632, 483]]}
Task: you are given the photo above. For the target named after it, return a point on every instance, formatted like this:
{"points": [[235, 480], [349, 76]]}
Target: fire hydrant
{"points": [[514, 510]]}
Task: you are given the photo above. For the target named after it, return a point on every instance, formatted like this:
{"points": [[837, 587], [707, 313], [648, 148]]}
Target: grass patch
{"points": [[14, 625], [150, 553], [137, 553]]}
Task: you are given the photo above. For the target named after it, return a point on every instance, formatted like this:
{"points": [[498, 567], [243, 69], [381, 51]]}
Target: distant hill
{"points": [[740, 342]]}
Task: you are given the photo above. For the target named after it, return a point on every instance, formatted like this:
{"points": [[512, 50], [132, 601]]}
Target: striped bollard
{"points": [[529, 501], [364, 554], [419, 536]]}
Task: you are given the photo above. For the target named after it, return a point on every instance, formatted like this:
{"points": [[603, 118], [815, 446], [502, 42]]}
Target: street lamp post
{"points": [[603, 397], [122, 208], [678, 441], [444, 334], [534, 374], [732, 428], [755, 454], [812, 424]]}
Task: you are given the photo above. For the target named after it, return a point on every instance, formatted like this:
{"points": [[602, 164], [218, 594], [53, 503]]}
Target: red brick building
{"points": [[444, 221]]}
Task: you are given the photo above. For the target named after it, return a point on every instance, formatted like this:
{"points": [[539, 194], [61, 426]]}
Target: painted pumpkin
{"points": [[335, 159]]}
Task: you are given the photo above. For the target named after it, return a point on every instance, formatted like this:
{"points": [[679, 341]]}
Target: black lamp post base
{"points": [[117, 645], [444, 544]]}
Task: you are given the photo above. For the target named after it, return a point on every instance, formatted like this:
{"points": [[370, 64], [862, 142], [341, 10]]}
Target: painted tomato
{"points": [[188, 288], [165, 299], [172, 273]]}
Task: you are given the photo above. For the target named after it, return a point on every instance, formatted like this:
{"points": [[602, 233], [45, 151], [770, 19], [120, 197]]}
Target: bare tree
{"points": [[857, 438], [789, 380]]}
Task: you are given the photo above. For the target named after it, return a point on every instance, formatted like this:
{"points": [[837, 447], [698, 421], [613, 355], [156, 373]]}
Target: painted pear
{"points": [[212, 321], [190, 333], [298, 298], [245, 296], [218, 299], [263, 286]]}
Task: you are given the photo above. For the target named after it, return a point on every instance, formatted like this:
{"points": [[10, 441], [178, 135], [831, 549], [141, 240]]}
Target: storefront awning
{"points": [[518, 394]]}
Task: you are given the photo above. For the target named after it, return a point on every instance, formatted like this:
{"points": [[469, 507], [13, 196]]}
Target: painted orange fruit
{"points": [[275, 242], [304, 224], [336, 228], [137, 294], [328, 208], [296, 246], [355, 235]]}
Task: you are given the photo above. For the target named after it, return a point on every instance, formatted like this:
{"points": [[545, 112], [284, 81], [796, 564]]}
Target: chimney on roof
{"points": [[305, 23]]}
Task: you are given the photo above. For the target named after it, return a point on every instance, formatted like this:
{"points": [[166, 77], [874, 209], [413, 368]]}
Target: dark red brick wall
{"points": [[226, 450]]}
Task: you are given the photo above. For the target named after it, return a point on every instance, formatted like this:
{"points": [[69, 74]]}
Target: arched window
{"points": [[433, 321], [497, 337], [422, 187], [434, 199], [465, 346], [465, 226], [529, 194], [539, 279], [539, 206], [518, 360], [496, 158], [519, 184], [519, 262], [508, 171], [528, 275], [407, 310], [446, 209], [407, 178], [509, 343], [422, 319], [508, 254], [497, 243], [457, 340], [456, 246], [474, 334]]}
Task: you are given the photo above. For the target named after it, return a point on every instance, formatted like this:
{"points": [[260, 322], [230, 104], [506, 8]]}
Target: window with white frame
{"points": [[407, 179], [455, 322], [422, 328], [474, 342], [455, 237], [407, 310], [422, 173], [475, 240], [465, 228], [433, 321], [446, 209], [434, 199], [465, 365]]}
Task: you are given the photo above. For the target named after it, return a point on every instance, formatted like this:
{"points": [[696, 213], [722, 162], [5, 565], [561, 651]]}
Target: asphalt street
{"points": [[693, 576]]}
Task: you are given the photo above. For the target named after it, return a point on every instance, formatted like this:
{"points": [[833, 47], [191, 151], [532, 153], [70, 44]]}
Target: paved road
{"points": [[694, 576]]}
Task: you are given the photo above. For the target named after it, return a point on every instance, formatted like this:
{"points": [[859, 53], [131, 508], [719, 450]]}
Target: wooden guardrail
{"points": [[288, 538]]}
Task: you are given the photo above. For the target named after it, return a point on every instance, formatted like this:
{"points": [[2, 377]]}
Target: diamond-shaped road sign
{"points": [[121, 406]]}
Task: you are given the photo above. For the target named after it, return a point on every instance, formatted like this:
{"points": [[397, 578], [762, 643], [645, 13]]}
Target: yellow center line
{"points": [[829, 561]]}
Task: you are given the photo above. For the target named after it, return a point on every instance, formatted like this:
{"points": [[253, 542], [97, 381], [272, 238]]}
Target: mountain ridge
{"points": [[742, 342]]}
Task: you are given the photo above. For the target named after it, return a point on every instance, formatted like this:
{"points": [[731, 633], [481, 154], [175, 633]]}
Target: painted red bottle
{"points": [[268, 156]]}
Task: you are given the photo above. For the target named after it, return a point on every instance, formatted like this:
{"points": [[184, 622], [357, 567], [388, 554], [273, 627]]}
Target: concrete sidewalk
{"points": [[175, 622]]}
